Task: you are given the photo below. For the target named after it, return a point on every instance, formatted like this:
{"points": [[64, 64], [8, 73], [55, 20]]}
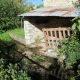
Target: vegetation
{"points": [[28, 6], [10, 59], [5, 36], [40, 6], [9, 12], [76, 4], [12, 71], [12, 65], [71, 48], [18, 32]]}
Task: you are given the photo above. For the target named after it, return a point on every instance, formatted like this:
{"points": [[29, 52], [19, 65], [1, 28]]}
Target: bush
{"points": [[12, 72]]}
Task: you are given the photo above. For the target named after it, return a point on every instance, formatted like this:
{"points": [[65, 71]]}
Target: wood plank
{"points": [[55, 34], [64, 34], [68, 32]]}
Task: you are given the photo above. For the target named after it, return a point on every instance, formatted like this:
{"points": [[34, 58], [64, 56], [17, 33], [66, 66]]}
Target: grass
{"points": [[5, 36], [18, 32]]}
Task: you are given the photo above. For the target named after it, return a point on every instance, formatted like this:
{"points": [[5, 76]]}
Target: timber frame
{"points": [[53, 35]]}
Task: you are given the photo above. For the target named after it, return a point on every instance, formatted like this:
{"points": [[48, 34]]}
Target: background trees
{"points": [[9, 11], [39, 6]]}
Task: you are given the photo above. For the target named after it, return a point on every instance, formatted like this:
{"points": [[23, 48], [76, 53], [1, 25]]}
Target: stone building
{"points": [[52, 3], [54, 14]]}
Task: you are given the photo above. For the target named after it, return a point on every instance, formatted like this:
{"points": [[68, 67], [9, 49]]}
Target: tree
{"points": [[28, 6], [39, 6], [76, 4], [9, 11]]}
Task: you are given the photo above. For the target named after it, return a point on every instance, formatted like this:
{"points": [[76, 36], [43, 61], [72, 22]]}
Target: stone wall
{"points": [[31, 31], [50, 3]]}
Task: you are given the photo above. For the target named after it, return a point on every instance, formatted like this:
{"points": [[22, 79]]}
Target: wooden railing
{"points": [[53, 35]]}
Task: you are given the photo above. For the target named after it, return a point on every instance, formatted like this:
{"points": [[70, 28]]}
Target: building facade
{"points": [[54, 14], [52, 3]]}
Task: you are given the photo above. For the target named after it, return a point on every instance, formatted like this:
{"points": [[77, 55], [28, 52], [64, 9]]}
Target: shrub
{"points": [[12, 72]]}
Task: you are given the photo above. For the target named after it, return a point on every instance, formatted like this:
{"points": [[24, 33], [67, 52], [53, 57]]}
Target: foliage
{"points": [[40, 58], [6, 43], [62, 48], [9, 11], [5, 36], [38, 39], [40, 6], [12, 72], [9, 14], [72, 78], [76, 4], [71, 48], [28, 6], [76, 24]]}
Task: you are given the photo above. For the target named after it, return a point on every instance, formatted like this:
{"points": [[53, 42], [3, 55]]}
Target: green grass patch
{"points": [[5, 36], [18, 32]]}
